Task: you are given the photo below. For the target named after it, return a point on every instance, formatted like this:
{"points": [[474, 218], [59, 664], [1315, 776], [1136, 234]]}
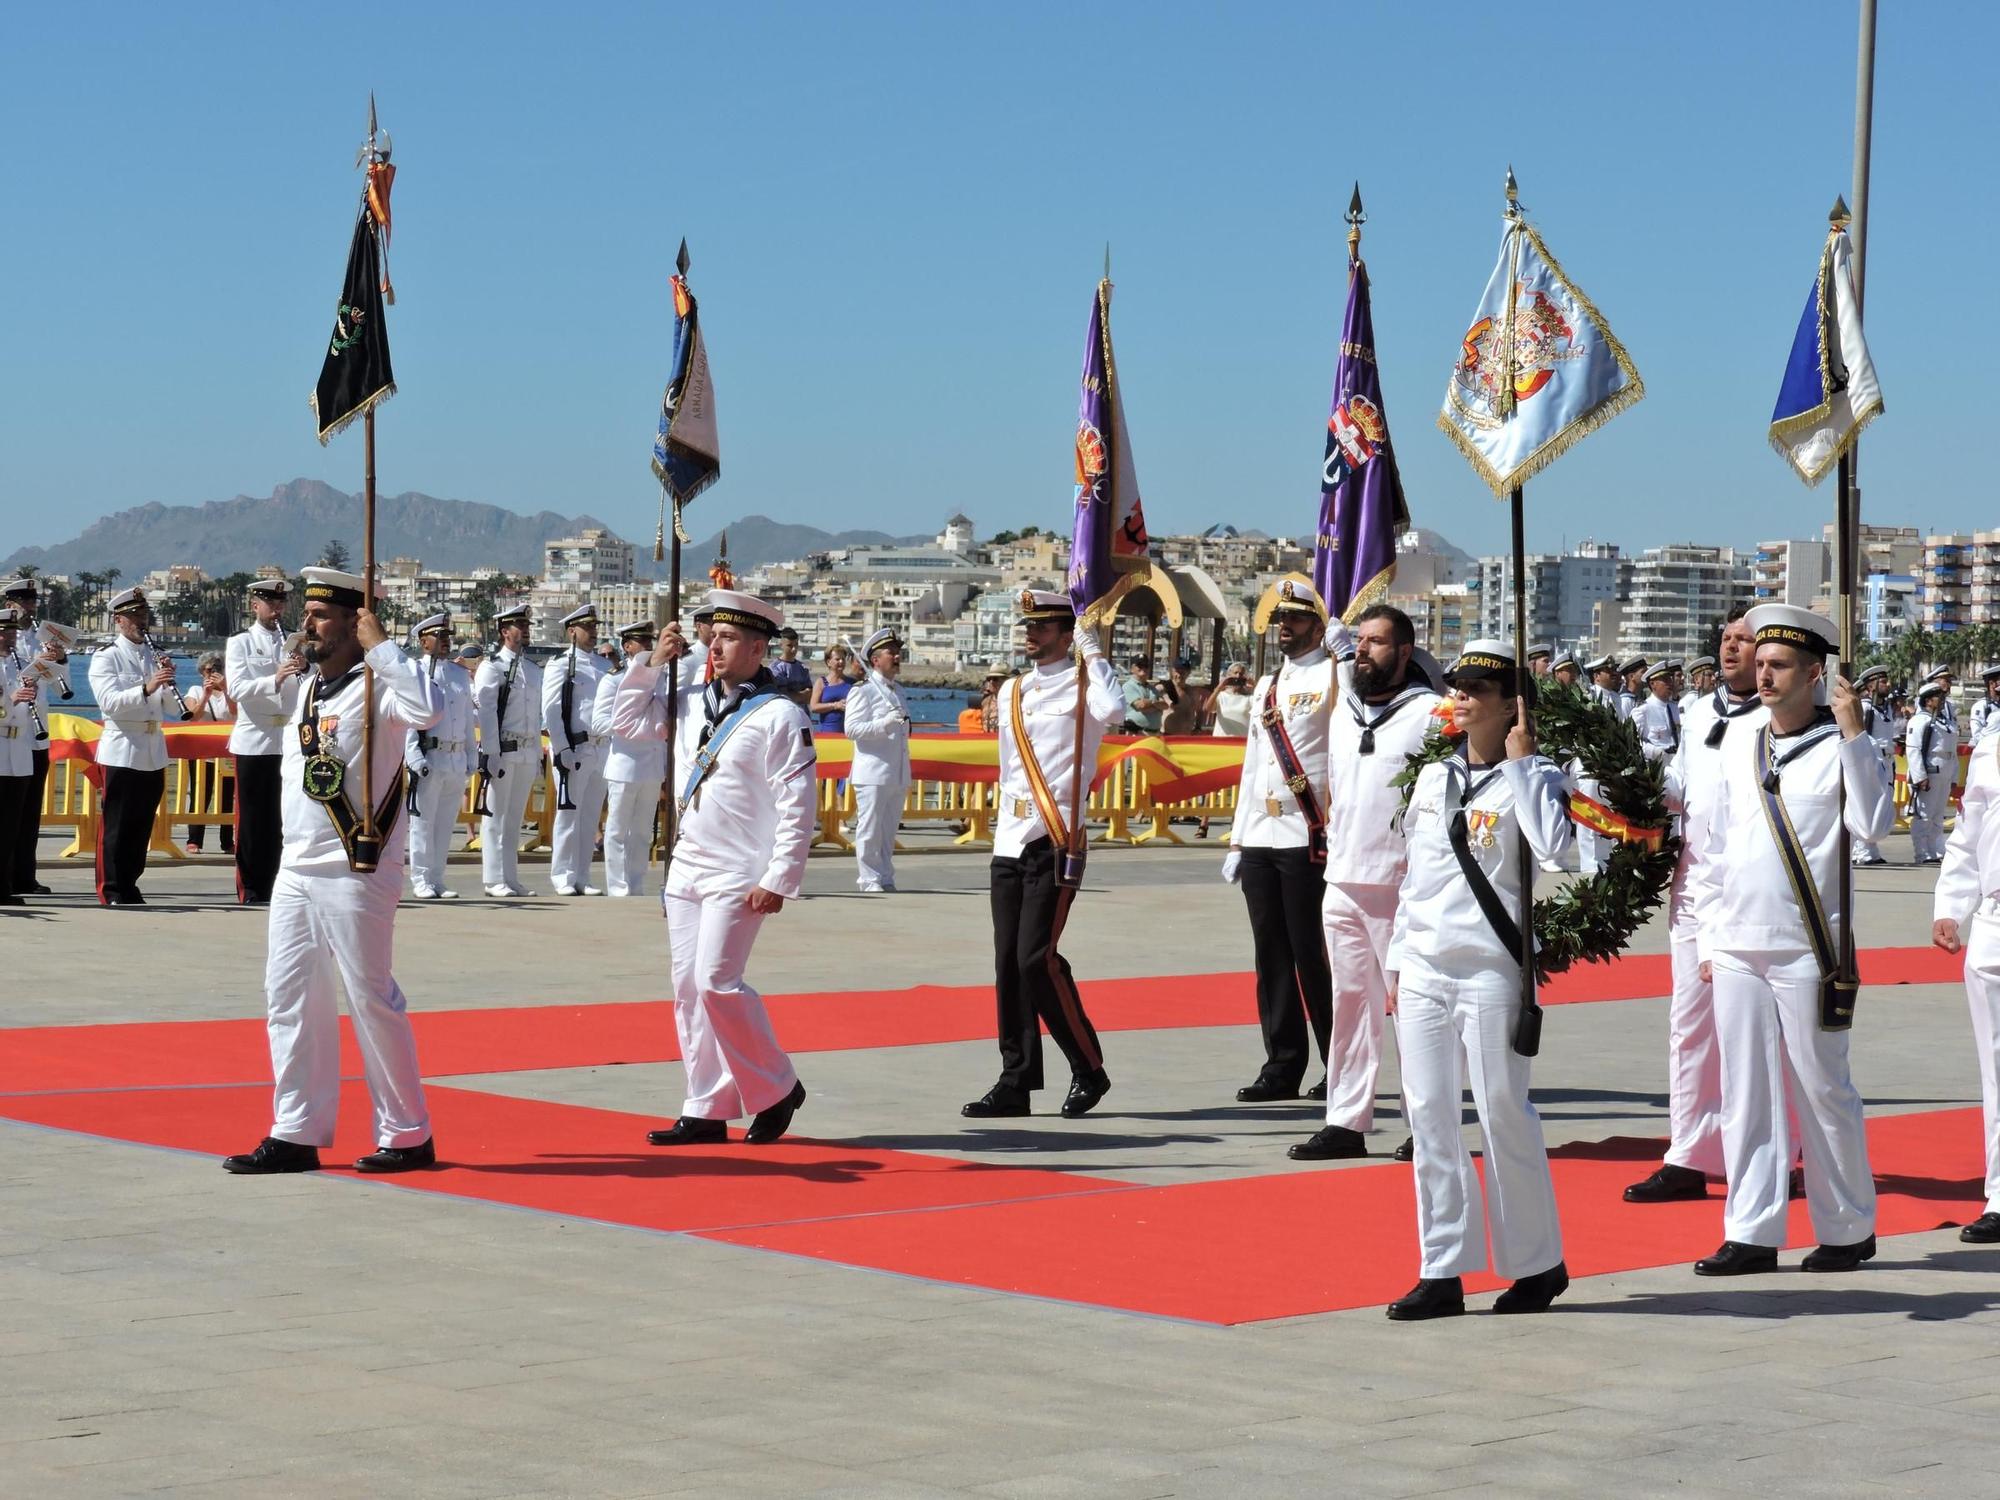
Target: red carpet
{"points": [[505, 1040]]}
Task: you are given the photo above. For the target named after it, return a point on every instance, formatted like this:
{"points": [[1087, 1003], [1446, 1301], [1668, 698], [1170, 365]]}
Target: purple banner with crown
{"points": [[1361, 504]]}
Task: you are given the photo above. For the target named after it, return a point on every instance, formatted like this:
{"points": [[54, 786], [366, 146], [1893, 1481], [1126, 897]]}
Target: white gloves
{"points": [[1231, 862], [1087, 642]]}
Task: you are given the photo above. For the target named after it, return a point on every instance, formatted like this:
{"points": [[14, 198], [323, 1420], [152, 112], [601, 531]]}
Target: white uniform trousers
{"points": [[320, 925], [1767, 1022], [628, 834], [735, 1066], [573, 838], [1445, 1031], [439, 797], [1982, 990], [500, 830], [1694, 1063], [1866, 849], [877, 810], [1358, 920], [1593, 849], [1927, 814]]}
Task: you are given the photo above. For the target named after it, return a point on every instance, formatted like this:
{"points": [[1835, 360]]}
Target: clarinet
{"points": [[34, 712], [160, 657]]}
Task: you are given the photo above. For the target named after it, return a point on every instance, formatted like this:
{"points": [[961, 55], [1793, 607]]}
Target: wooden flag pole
{"points": [[368, 832], [1521, 680]]}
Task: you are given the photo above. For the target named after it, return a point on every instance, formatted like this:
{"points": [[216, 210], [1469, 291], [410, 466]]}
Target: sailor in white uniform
{"points": [[1454, 975], [264, 678], [41, 652], [877, 722], [333, 910], [633, 771], [1769, 920], [1631, 685], [1278, 845], [1694, 1064], [1985, 717], [1658, 717], [1884, 726], [1930, 748], [1035, 875], [569, 693], [439, 760], [17, 754], [747, 776], [1384, 712], [1592, 847], [506, 703], [134, 688], [1966, 918], [1701, 674]]}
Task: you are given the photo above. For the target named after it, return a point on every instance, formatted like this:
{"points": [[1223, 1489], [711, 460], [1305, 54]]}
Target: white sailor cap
{"points": [[583, 614], [1564, 658], [1630, 665], [1672, 664], [746, 611], [518, 615], [1539, 653], [1930, 690], [1483, 658], [271, 588], [640, 630], [1989, 673], [441, 621], [469, 651], [886, 636], [1789, 625], [15, 587], [129, 602], [331, 586], [1042, 604], [1940, 674], [1876, 673], [1702, 664]]}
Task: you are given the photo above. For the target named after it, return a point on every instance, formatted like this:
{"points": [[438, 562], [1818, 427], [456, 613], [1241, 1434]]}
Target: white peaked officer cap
{"points": [[1702, 664], [1601, 664], [886, 636], [439, 621], [9, 615], [1565, 658], [747, 611], [1664, 669], [1789, 625], [1297, 596], [1942, 674], [583, 614], [15, 587], [271, 588], [1543, 652], [1042, 604], [1991, 672], [639, 630], [129, 602], [517, 615], [331, 586]]}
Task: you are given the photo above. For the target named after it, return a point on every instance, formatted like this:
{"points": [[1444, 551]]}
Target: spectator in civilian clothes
{"points": [[211, 704]]}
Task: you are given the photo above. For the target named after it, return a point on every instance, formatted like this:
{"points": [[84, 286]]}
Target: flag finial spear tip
{"points": [[1513, 187], [1838, 216], [1107, 260], [681, 261], [1354, 213]]}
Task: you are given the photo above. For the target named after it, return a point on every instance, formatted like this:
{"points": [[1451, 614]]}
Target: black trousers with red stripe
{"points": [[260, 826], [1031, 980], [125, 829], [1284, 889]]}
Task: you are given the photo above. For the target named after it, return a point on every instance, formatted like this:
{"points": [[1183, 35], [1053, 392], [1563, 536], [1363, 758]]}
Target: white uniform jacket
{"points": [[1983, 720], [1743, 901], [132, 716], [1930, 747], [626, 759], [1885, 727], [446, 745], [404, 700], [1364, 841], [878, 722], [1658, 721], [1694, 772], [524, 700], [17, 730], [1048, 708], [29, 644], [1441, 935], [1970, 873], [1306, 691], [588, 669], [264, 705], [1625, 703], [751, 821]]}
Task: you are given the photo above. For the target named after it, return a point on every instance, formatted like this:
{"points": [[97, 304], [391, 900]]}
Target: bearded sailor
{"points": [[439, 759], [506, 693], [134, 688], [264, 678], [569, 692], [1771, 910], [1034, 876], [748, 799], [333, 909], [878, 725], [1383, 715], [633, 771], [1278, 842]]}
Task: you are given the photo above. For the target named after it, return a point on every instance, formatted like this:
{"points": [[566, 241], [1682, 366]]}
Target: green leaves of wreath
{"points": [[1593, 917]]}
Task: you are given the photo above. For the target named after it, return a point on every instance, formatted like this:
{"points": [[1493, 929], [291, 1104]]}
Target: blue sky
{"points": [[898, 213]]}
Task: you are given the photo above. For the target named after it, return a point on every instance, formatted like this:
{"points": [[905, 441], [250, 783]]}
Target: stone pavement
{"points": [[167, 1328]]}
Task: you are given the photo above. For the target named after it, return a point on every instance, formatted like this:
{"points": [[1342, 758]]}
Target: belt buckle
{"points": [[1020, 807], [1273, 807]]}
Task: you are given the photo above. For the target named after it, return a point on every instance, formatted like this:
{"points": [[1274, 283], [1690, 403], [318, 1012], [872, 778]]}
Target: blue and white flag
{"points": [[1538, 368], [1829, 391]]}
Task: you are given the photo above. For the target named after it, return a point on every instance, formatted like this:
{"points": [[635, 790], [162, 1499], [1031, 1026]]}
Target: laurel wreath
{"points": [[1592, 918]]}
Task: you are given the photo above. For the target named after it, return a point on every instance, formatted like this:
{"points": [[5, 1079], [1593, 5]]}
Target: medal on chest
{"points": [[323, 776], [1479, 826]]}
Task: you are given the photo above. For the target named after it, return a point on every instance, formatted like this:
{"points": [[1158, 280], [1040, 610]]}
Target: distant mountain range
{"points": [[756, 540]]}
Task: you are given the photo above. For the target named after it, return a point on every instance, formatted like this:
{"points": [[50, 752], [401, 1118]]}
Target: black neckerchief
{"points": [[717, 705], [1819, 730], [1725, 710], [321, 688], [1405, 695], [1463, 761]]}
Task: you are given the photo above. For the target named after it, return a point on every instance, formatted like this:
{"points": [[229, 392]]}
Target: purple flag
{"points": [[1109, 540], [1361, 505]]}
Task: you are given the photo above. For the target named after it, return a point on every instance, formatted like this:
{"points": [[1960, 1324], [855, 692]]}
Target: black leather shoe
{"points": [[1318, 1090], [1330, 1143], [1263, 1091], [9, 900], [1408, 1150], [772, 1123], [38, 889], [1439, 1297], [1670, 1184], [688, 1131], [1984, 1230], [1839, 1257], [1738, 1259], [1084, 1092], [273, 1155], [1533, 1294], [997, 1103], [399, 1158]]}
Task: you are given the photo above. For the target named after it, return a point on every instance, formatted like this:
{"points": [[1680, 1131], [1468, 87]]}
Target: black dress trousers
{"points": [[13, 807], [125, 829], [1031, 980], [29, 835], [1283, 889], [260, 834]]}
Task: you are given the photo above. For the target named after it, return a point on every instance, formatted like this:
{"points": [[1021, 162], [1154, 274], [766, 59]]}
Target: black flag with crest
{"points": [[356, 376]]}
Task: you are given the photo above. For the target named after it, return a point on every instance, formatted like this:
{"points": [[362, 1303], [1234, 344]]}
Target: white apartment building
{"points": [[1887, 606], [1791, 572], [1444, 618], [1678, 595], [1563, 590], [594, 559]]}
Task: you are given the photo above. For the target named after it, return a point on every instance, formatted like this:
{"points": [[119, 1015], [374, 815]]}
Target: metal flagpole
{"points": [[670, 795], [1528, 1021], [368, 839]]}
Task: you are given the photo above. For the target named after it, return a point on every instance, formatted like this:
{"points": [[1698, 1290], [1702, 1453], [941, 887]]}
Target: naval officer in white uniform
{"points": [[135, 692], [506, 702], [264, 680], [1768, 922], [331, 919], [1966, 918], [877, 722], [569, 694], [439, 760], [633, 771], [1658, 715], [1931, 750], [744, 758], [41, 653], [1455, 986]]}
